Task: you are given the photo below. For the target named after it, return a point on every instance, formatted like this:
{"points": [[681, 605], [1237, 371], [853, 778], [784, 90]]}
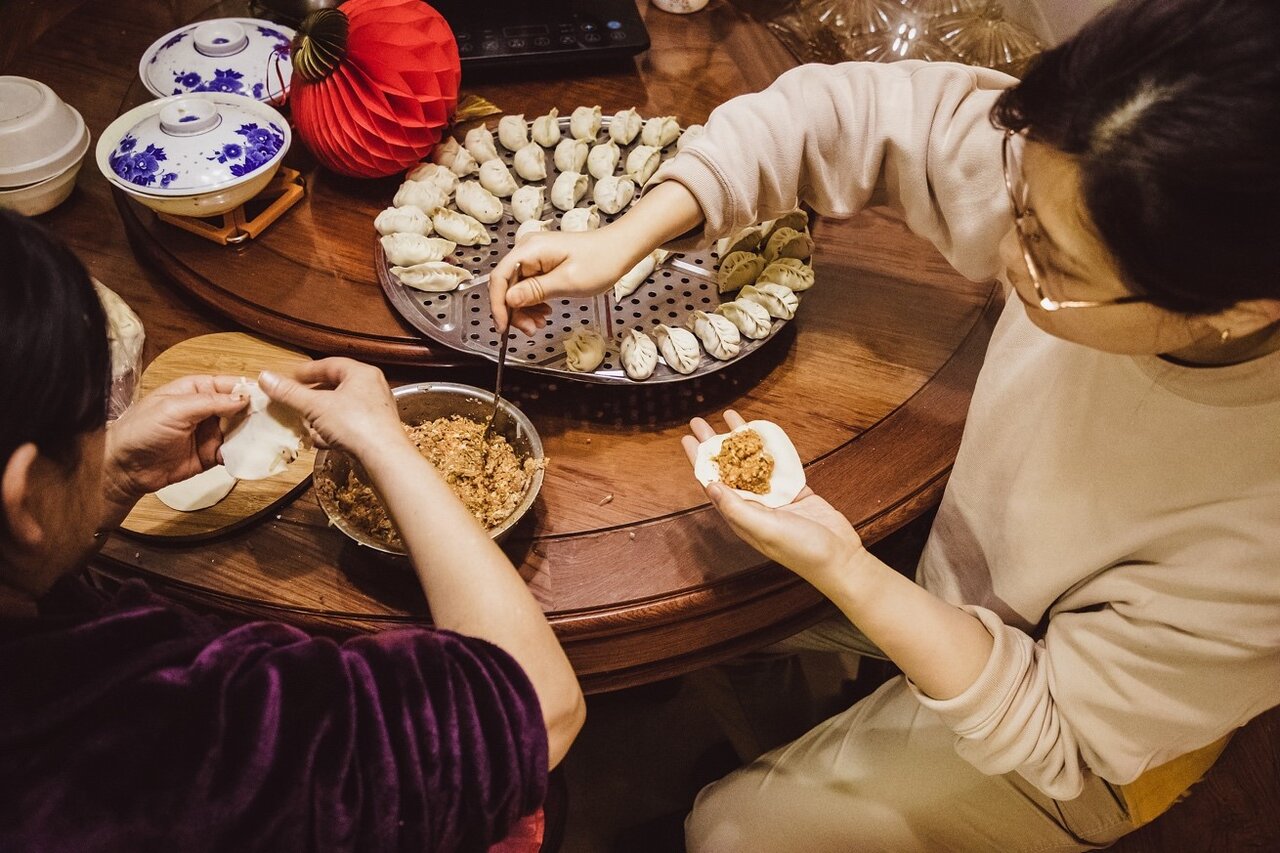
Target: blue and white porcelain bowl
{"points": [[195, 155], [237, 56]]}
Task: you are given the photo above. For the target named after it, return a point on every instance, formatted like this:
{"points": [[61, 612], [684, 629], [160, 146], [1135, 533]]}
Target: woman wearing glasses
{"points": [[1095, 610]]}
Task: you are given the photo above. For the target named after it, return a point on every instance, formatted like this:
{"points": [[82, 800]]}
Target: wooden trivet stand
{"points": [[235, 226]]}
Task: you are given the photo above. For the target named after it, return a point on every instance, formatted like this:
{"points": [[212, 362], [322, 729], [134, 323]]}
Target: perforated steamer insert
{"points": [[683, 283]]}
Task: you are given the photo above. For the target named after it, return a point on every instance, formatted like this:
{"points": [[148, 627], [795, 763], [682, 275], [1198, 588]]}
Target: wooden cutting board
{"points": [[236, 354]]}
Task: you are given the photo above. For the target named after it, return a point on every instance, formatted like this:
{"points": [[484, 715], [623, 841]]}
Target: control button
{"points": [[466, 48], [618, 35], [517, 44], [462, 36], [587, 27], [592, 38], [491, 45], [489, 34], [567, 40], [542, 41], [614, 25]]}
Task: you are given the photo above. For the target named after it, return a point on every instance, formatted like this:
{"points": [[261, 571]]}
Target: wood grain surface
{"points": [[228, 354]]}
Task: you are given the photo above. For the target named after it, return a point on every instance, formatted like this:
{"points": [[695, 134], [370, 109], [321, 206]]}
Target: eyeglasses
{"points": [[1027, 229]]}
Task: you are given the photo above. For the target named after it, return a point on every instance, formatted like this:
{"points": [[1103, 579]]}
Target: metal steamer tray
{"points": [[683, 283]]}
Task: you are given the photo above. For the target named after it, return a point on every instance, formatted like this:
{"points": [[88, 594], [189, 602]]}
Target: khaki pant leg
{"points": [[885, 776]]}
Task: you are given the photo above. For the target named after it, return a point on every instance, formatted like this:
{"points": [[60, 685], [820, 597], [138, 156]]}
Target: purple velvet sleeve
{"points": [[146, 728]]}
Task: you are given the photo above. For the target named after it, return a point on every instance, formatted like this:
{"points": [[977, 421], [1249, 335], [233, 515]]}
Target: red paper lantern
{"points": [[375, 83]]}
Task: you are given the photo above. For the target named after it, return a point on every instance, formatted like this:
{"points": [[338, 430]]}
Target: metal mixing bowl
{"points": [[426, 401]]}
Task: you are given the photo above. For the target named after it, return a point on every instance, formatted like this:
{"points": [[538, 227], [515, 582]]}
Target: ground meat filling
{"points": [[744, 464], [490, 489]]}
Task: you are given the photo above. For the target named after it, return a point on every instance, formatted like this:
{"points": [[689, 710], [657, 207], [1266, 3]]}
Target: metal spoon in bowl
{"points": [[497, 398]]}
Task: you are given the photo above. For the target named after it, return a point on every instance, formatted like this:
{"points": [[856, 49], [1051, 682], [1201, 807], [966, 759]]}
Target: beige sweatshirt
{"points": [[1114, 521]]}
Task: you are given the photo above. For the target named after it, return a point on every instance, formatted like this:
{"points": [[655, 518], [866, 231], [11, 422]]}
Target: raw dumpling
{"points": [[546, 129], [634, 277], [603, 159], [531, 162], [261, 440], [454, 157], [199, 492], [613, 193], [584, 123], [580, 219], [642, 162], [568, 188], [788, 243], [434, 173], [527, 203], [639, 355], [679, 348], [751, 318], [421, 195], [432, 277], [533, 226], [746, 240], [513, 133], [720, 338], [691, 134], [791, 273], [779, 301], [404, 220], [624, 126], [571, 155], [459, 227], [660, 131], [405, 250], [738, 269], [475, 200], [786, 481], [796, 219], [583, 350], [479, 142], [497, 178]]}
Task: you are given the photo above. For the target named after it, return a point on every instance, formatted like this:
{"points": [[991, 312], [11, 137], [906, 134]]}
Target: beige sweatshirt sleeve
{"points": [[914, 136]]}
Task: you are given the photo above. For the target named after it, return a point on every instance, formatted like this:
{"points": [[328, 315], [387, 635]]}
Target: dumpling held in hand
{"points": [[757, 460]]}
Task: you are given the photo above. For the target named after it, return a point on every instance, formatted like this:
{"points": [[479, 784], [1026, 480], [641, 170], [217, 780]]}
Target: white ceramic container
{"points": [[234, 56], [38, 198], [41, 136]]}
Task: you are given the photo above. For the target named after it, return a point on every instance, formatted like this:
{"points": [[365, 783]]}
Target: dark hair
{"points": [[1171, 109], [55, 365]]}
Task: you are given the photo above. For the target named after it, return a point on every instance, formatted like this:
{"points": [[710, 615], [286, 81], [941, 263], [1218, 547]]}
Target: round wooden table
{"points": [[636, 572]]}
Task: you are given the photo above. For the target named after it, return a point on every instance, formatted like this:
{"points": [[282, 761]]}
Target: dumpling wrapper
{"points": [[788, 472], [625, 126], [580, 219], [546, 129], [199, 492], [513, 133], [636, 276], [432, 276], [533, 226], [434, 173], [262, 440]]}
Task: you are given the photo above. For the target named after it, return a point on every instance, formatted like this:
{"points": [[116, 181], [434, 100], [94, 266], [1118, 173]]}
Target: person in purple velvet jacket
{"points": [[133, 724]]}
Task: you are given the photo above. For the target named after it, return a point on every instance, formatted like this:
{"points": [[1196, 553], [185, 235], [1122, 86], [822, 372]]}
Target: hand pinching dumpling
{"points": [[421, 195], [584, 123], [642, 162], [691, 134], [660, 131], [750, 317], [765, 450], [613, 193], [432, 276], [738, 269], [531, 162], [546, 129], [571, 155], [787, 243], [679, 348], [603, 159], [720, 338], [403, 220], [568, 188], [496, 178], [791, 273], [479, 142], [624, 126], [434, 173], [454, 157], [533, 226], [639, 355], [405, 250], [513, 133], [475, 200], [774, 298], [580, 219], [583, 350], [459, 227], [527, 202], [634, 277]]}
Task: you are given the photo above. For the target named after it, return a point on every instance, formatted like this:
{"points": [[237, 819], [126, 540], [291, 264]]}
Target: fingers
{"points": [[743, 515], [733, 420], [325, 371], [690, 445], [530, 320], [192, 409], [701, 429], [291, 392]]}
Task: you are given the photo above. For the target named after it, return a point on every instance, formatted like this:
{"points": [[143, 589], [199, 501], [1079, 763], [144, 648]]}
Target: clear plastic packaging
{"points": [[127, 338]]}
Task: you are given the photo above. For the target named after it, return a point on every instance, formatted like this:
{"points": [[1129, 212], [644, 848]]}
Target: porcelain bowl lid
{"points": [[190, 144], [240, 56]]}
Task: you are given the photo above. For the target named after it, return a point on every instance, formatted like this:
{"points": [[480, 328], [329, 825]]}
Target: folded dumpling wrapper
{"points": [[199, 492], [262, 440], [788, 472]]}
